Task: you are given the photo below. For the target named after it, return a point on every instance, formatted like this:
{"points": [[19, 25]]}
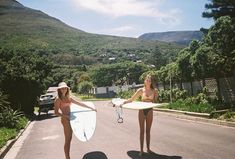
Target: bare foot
{"points": [[150, 151]]}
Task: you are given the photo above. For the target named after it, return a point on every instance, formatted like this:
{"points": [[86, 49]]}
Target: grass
{"points": [[191, 107], [10, 133], [36, 109], [6, 134], [228, 115]]}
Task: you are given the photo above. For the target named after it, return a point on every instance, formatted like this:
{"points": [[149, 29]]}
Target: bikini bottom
{"points": [[146, 111]]}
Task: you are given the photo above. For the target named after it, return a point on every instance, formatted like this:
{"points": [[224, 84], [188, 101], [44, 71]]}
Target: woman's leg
{"points": [[68, 137], [141, 124], [149, 120]]}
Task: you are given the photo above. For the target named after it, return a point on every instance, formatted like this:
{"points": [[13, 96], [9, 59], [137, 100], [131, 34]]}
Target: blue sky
{"points": [[129, 18]]}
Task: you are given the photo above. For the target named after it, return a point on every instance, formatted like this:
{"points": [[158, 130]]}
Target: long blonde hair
{"points": [[152, 86]]}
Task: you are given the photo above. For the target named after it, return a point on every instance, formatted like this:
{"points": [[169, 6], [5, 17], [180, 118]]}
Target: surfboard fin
{"points": [[84, 133]]}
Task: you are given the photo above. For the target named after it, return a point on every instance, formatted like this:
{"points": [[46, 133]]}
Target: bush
{"points": [[178, 94], [125, 94], [201, 98], [164, 95], [11, 121], [3, 101], [188, 105], [21, 123], [84, 87], [8, 117], [6, 134], [228, 115], [23, 77]]}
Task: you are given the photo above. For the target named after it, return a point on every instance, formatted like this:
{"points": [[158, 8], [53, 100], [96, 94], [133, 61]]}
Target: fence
{"points": [[110, 92], [225, 87]]}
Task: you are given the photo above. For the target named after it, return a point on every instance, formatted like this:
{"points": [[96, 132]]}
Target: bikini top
{"points": [[65, 104], [147, 98]]}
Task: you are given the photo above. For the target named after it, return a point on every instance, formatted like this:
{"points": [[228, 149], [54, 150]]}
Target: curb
{"points": [[204, 115], [201, 117], [10, 143]]}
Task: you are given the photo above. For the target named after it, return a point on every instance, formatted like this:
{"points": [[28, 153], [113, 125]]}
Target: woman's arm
{"points": [[135, 96], [73, 100]]}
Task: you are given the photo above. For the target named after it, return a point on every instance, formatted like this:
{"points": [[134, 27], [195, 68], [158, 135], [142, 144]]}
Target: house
{"points": [[112, 59]]}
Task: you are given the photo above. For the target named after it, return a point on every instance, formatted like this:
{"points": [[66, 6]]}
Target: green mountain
{"points": [[25, 28], [179, 37]]}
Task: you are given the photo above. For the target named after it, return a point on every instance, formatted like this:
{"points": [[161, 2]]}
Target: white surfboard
{"points": [[135, 104], [83, 121]]}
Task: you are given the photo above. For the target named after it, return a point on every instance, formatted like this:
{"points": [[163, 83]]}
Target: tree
{"points": [[184, 65], [201, 63], [219, 8], [221, 39], [83, 77], [173, 73], [156, 58], [84, 87], [183, 60], [162, 74], [23, 76], [193, 46], [107, 75]]}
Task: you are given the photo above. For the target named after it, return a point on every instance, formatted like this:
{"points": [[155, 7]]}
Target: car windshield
{"points": [[46, 96]]}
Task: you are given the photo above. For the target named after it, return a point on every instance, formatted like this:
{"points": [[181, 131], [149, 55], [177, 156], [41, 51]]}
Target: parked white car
{"points": [[46, 102]]}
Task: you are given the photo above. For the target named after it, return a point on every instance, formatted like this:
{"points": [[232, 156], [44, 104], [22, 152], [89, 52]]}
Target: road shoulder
{"points": [[10, 150], [201, 117]]}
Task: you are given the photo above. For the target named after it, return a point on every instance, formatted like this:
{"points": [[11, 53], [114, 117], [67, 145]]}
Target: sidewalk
{"points": [[201, 117]]}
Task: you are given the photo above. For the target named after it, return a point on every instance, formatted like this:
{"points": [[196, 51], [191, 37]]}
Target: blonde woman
{"points": [[63, 103], [148, 94]]}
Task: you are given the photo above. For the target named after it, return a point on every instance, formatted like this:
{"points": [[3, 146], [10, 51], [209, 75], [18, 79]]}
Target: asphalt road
{"points": [[171, 138]]}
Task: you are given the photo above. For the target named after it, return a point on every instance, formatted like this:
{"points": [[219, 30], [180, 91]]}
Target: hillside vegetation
{"points": [[25, 28], [179, 37]]}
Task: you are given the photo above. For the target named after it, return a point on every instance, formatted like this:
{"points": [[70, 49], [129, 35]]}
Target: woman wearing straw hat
{"points": [[63, 103]]}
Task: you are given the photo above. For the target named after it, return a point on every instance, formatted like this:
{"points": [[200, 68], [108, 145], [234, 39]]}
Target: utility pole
{"points": [[170, 89], [170, 84]]}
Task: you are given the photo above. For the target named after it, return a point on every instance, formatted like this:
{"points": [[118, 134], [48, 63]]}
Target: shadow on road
{"points": [[95, 155], [135, 155], [45, 116]]}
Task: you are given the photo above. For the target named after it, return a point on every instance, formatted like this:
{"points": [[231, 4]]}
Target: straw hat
{"points": [[62, 85]]}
